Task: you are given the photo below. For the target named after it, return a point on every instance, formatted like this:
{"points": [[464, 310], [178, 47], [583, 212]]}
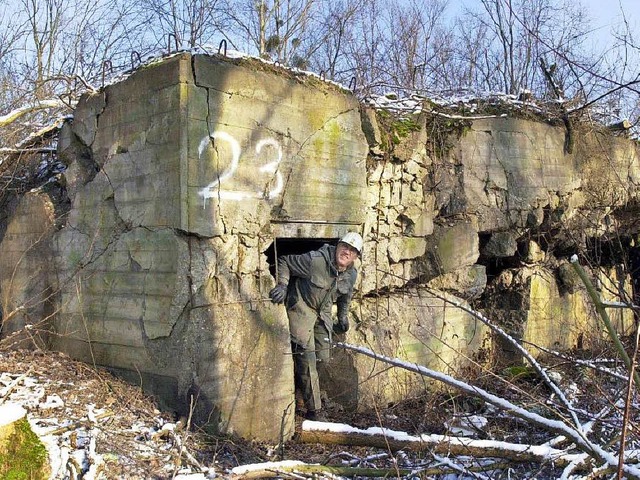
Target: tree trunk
{"points": [[441, 444], [276, 469]]}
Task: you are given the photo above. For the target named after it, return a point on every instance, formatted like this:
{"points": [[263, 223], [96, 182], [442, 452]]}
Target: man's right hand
{"points": [[278, 293]]}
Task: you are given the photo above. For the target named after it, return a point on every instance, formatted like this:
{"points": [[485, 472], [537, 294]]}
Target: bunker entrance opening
{"points": [[293, 246]]}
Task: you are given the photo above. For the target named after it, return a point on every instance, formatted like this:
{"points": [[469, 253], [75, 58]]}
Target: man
{"points": [[309, 285]]}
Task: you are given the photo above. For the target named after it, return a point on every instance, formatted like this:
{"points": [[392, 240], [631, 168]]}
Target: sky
{"points": [[605, 14]]}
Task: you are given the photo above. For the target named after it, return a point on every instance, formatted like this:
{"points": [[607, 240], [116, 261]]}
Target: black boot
{"points": [[315, 415]]}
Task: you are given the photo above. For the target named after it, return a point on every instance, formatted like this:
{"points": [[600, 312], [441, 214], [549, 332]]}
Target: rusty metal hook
{"points": [[352, 82], [175, 39], [105, 64], [135, 56], [223, 42]]}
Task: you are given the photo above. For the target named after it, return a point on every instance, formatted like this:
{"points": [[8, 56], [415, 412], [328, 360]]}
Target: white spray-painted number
{"points": [[269, 170]]}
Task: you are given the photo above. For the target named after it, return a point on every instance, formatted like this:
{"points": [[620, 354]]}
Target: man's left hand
{"points": [[342, 326]]}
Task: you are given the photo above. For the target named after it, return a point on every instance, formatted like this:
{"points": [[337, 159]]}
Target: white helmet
{"points": [[354, 239]]}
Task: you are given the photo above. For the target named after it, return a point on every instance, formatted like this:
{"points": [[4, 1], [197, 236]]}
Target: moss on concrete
{"points": [[444, 133], [395, 128], [24, 456]]}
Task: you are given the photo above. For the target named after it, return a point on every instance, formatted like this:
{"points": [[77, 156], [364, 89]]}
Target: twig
{"points": [[14, 384], [556, 426], [523, 351], [456, 467], [605, 317], [79, 423], [181, 441], [627, 405]]}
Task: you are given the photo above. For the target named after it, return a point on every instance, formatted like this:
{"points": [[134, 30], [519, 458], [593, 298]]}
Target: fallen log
{"points": [[276, 469], [575, 435], [341, 434]]}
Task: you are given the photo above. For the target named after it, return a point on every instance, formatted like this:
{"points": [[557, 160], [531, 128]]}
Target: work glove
{"points": [[278, 293], [342, 326]]}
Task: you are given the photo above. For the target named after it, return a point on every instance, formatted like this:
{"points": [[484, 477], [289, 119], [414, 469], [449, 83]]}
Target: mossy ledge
{"points": [[23, 455]]}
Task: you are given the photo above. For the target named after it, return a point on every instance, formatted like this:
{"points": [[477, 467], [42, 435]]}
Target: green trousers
{"points": [[305, 369]]}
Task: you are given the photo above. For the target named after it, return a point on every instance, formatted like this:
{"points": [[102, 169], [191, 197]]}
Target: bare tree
{"points": [[46, 24], [364, 54], [386, 45], [515, 34], [11, 30], [335, 31], [69, 40], [12, 33], [413, 42], [110, 32], [190, 23], [274, 30]]}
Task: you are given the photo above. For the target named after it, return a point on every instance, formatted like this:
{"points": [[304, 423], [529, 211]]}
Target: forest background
{"points": [[559, 50]]}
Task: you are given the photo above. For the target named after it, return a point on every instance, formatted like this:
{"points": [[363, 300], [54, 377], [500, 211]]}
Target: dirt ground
{"points": [[137, 440], [87, 408]]}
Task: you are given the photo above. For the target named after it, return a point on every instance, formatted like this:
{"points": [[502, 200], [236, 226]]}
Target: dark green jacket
{"points": [[314, 285]]}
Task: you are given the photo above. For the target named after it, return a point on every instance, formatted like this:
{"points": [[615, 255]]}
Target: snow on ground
{"points": [[97, 427], [93, 425]]}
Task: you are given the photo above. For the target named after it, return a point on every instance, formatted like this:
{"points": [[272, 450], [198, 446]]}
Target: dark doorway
{"points": [[338, 378], [293, 246]]}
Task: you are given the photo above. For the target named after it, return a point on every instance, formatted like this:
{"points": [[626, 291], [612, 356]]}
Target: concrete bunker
{"points": [[187, 178], [203, 162]]}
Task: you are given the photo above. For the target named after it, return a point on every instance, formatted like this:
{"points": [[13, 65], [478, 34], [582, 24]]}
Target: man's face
{"points": [[345, 256]]}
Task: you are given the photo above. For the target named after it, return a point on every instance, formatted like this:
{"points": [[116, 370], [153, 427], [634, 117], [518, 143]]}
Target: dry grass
{"points": [[133, 445]]}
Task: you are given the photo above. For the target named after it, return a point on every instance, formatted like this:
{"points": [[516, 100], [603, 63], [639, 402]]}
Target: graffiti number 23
{"points": [[269, 171]]}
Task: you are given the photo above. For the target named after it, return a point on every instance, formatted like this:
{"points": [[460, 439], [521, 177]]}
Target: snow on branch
{"points": [[19, 112], [555, 426], [45, 131], [523, 351], [324, 432]]}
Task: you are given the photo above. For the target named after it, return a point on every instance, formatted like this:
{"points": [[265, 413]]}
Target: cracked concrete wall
{"points": [[25, 283], [183, 175], [277, 158], [506, 186], [509, 171], [436, 223], [523, 190]]}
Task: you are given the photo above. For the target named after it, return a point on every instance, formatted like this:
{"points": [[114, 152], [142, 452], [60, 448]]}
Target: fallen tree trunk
{"points": [[277, 469], [280, 469], [578, 436], [336, 433]]}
